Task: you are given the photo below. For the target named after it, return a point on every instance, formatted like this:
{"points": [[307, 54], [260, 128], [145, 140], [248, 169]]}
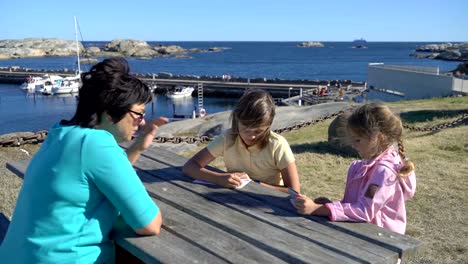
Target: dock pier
{"points": [[212, 86]]}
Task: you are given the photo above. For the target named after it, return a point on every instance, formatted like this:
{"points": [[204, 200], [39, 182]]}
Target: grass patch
{"points": [[438, 213]]}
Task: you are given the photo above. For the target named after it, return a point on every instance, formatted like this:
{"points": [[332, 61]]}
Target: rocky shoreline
{"points": [[445, 51], [44, 47], [311, 44]]}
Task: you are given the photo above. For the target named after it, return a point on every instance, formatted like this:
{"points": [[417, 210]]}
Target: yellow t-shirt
{"points": [[260, 164]]}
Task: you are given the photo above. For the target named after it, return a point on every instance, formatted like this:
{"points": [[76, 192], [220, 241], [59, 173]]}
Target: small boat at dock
{"points": [[68, 85], [180, 91], [50, 82], [31, 82]]}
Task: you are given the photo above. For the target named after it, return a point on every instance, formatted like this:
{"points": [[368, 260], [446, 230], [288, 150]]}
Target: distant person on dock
{"points": [[81, 180], [378, 185], [249, 148], [323, 91], [341, 93]]}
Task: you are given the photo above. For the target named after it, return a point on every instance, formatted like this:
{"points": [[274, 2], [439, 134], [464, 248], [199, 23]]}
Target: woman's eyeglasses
{"points": [[141, 116]]}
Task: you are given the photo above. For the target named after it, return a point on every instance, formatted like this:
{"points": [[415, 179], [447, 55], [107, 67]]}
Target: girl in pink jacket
{"points": [[378, 185]]}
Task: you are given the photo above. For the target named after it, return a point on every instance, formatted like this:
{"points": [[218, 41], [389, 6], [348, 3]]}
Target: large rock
{"points": [[145, 53], [450, 55], [447, 51], [311, 44], [127, 46], [22, 52], [13, 135], [172, 49], [93, 50], [434, 47], [141, 49], [38, 47], [338, 136], [286, 116], [462, 69], [41, 47], [424, 56]]}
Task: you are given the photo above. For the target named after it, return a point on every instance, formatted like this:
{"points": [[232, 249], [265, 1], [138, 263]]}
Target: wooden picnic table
{"points": [[255, 224]]}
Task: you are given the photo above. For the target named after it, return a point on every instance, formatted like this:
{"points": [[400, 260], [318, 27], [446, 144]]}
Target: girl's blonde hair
{"points": [[377, 120], [255, 108]]}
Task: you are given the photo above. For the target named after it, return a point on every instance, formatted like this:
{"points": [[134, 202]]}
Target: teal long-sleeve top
{"points": [[74, 189]]}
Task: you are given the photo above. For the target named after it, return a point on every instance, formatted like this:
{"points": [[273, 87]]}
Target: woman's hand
{"points": [[232, 180], [148, 132], [144, 140]]}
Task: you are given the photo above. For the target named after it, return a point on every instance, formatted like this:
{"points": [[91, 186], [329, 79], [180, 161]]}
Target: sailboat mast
{"points": [[77, 46]]}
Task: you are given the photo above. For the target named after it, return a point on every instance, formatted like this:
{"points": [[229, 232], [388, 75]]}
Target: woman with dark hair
{"points": [[81, 180]]}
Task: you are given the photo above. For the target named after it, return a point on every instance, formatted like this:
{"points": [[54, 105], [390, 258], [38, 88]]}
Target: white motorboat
{"points": [[31, 82], [50, 81], [180, 91], [68, 85]]}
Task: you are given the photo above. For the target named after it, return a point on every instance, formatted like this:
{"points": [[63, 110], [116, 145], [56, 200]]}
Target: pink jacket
{"points": [[387, 207]]}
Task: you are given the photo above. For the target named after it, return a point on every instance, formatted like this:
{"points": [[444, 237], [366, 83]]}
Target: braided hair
{"points": [[375, 119]]}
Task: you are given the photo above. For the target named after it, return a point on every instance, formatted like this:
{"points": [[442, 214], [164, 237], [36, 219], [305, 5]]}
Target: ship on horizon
{"points": [[360, 44], [360, 41]]}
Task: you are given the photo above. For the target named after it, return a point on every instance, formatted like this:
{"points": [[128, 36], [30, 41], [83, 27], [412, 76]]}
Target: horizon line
{"points": [[369, 41]]}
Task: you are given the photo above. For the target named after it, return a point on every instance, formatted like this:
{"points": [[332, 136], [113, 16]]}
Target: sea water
{"points": [[30, 112], [20, 111]]}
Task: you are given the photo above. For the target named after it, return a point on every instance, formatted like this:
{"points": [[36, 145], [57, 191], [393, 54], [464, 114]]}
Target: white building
{"points": [[413, 82]]}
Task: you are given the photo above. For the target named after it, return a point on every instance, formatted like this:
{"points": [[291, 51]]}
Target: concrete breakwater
{"points": [[216, 86]]}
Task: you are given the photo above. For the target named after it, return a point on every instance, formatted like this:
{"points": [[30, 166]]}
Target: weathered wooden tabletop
{"points": [[255, 224]]}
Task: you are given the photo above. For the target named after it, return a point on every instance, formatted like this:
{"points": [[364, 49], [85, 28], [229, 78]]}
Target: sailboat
{"points": [[71, 84]]}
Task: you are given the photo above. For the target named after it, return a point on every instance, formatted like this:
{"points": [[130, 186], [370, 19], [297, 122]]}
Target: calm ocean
{"points": [[284, 60]]}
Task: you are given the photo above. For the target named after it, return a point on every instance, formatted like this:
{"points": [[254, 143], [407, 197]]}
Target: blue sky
{"points": [[238, 20]]}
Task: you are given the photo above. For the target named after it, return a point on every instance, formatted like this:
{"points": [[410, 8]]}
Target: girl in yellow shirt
{"points": [[250, 149]]}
